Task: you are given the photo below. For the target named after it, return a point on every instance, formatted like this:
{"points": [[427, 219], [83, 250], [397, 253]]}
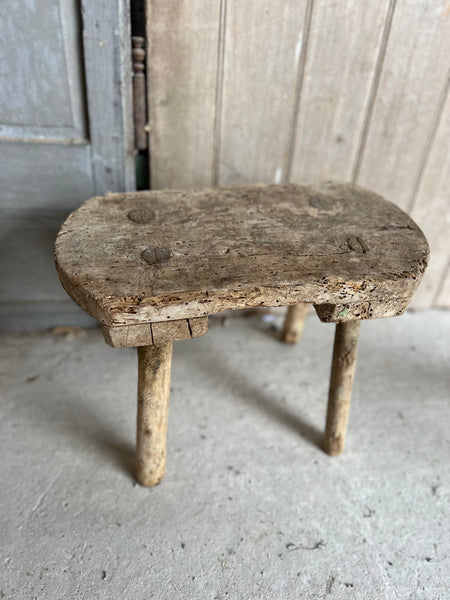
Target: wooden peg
{"points": [[154, 364], [341, 383], [294, 323]]}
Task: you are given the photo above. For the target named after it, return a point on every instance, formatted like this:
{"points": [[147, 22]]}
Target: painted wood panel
{"points": [[41, 91], [107, 64], [51, 161], [182, 61], [66, 182], [263, 41], [414, 70], [31, 251], [31, 296], [342, 53]]}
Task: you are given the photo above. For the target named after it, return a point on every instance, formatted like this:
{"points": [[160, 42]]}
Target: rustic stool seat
{"points": [[151, 267]]}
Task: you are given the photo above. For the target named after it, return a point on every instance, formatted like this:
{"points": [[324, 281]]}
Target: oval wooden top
{"points": [[173, 254]]}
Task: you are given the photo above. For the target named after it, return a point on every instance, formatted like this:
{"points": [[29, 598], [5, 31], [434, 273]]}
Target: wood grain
{"points": [[432, 208], [154, 363], [294, 323], [414, 70], [262, 51], [108, 69], [330, 244], [361, 106], [443, 292], [341, 384], [343, 46], [183, 39], [148, 334]]}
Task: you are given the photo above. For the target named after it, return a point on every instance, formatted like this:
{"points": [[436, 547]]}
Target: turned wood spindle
{"points": [[139, 93]]}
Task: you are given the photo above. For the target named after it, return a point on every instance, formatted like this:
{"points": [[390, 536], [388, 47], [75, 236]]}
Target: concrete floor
{"points": [[250, 507]]}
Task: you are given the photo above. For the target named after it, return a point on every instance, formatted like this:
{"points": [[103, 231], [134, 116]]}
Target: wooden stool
{"points": [[151, 267]]}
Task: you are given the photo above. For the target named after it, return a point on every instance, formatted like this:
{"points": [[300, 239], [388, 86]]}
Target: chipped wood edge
{"points": [[343, 313]]}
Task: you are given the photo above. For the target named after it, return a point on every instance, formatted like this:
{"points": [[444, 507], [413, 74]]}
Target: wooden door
{"points": [[65, 135]]}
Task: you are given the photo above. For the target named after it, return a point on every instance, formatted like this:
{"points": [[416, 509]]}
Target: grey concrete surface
{"points": [[250, 507]]}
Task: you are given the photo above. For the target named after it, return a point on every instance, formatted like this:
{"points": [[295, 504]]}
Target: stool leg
{"points": [[294, 322], [341, 382], [152, 412]]}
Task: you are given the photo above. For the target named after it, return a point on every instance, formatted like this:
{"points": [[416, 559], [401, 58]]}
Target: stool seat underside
{"points": [[147, 257]]}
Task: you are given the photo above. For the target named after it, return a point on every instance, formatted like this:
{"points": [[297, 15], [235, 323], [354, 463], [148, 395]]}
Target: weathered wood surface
{"points": [[108, 73], [443, 292], [282, 91], [182, 68], [341, 384], [261, 59], [342, 51], [154, 364], [64, 113], [171, 255], [414, 70], [432, 210], [148, 334], [294, 323]]}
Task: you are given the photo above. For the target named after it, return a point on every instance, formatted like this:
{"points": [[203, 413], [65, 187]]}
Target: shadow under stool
{"points": [[151, 266]]}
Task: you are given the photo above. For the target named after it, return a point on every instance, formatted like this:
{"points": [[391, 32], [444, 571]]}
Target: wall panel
{"points": [[182, 60], [342, 54], [258, 91], [263, 43], [414, 70], [432, 212]]}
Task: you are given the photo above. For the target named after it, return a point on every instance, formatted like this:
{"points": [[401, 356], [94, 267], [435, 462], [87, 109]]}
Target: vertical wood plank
{"points": [[106, 44], [262, 52], [443, 296], [432, 213], [342, 54], [183, 39], [414, 68], [243, 92]]}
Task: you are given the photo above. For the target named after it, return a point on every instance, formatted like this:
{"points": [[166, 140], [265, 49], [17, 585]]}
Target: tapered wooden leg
{"points": [[294, 322], [153, 407], [341, 383]]}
